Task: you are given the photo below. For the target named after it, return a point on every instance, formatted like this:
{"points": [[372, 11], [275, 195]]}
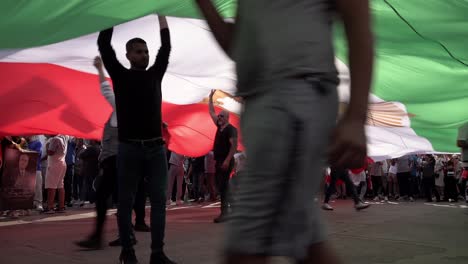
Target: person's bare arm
{"points": [[162, 22], [349, 147], [357, 24], [222, 31], [98, 64], [106, 89], [212, 109]]}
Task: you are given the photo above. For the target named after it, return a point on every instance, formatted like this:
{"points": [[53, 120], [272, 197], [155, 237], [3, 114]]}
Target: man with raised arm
{"points": [[286, 73], [141, 146], [224, 148]]}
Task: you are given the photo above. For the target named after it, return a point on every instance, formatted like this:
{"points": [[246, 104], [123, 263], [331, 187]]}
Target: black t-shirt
{"points": [[137, 93], [221, 144], [198, 164]]}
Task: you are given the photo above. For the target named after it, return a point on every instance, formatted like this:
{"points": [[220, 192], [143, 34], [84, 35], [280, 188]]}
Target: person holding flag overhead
{"points": [[141, 151]]}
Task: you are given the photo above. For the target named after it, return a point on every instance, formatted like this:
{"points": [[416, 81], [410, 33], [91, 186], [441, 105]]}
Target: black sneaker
{"points": [[127, 256], [91, 243], [61, 210], [116, 243], [220, 219], [160, 258], [143, 227]]}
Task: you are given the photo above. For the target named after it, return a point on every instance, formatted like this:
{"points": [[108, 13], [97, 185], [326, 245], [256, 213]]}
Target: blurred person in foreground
{"points": [[284, 56]]}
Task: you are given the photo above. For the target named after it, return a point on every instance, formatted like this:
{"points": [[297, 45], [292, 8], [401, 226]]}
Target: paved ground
{"points": [[406, 233]]}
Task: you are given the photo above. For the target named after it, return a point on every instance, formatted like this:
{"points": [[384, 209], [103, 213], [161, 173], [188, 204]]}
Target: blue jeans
{"points": [[135, 161]]}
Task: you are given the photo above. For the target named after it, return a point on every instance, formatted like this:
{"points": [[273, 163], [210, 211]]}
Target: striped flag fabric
{"points": [[48, 84]]}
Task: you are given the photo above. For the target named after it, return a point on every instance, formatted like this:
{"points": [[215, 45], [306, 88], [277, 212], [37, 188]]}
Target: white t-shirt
{"points": [[357, 178], [176, 159], [57, 144], [393, 169]]}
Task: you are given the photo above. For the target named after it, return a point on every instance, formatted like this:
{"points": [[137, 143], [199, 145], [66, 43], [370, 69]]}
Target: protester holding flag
{"points": [[141, 146], [108, 163]]}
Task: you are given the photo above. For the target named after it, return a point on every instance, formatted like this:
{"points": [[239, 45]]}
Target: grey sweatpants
{"points": [[285, 132]]}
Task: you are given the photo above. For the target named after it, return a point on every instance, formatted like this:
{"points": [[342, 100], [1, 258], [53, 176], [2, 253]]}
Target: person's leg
{"points": [[427, 189], [212, 185], [376, 185], [196, 185], [270, 216], [180, 183], [84, 188], [321, 253], [223, 179], [61, 196], [38, 191], [52, 181], [411, 185], [401, 184], [202, 185], [51, 199], [331, 186], [453, 188], [385, 186], [434, 189], [60, 187], [155, 169], [170, 183], [68, 184], [104, 191], [350, 186], [129, 164], [75, 186], [464, 189], [363, 190], [140, 203]]}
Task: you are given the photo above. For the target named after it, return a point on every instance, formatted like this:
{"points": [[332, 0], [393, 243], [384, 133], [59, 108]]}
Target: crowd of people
{"points": [[439, 178]]}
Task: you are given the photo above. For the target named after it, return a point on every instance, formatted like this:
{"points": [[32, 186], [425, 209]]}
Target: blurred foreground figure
{"points": [[286, 74]]}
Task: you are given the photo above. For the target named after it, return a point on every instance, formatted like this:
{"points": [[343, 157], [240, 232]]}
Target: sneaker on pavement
{"points": [[160, 258], [220, 219], [92, 243], [116, 243], [39, 208], [376, 199], [127, 256], [411, 199], [327, 207], [386, 198], [61, 210], [361, 206], [142, 227], [48, 211]]}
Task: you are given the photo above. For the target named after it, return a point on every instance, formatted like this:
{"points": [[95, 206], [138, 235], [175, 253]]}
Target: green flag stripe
{"points": [[413, 68], [27, 23]]}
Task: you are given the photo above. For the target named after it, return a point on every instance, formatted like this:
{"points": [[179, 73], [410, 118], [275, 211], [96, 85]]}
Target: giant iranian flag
{"points": [[48, 84]]}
